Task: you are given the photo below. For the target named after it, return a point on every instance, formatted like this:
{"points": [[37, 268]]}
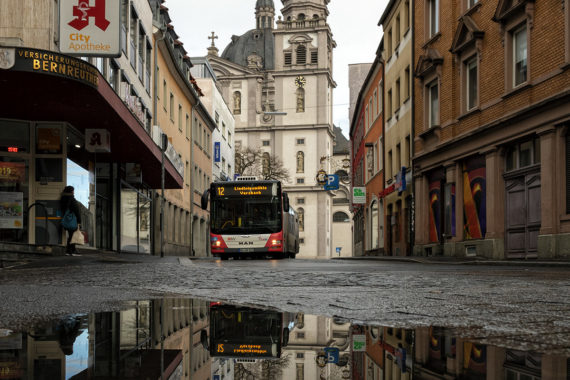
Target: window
{"points": [[471, 83], [300, 355], [389, 166], [187, 126], [229, 138], [301, 240], [299, 371], [180, 118], [171, 107], [300, 141], [407, 151], [523, 154], [397, 96], [301, 55], [519, 56], [164, 94], [217, 119], [389, 109], [287, 57], [406, 16], [300, 335], [301, 201], [433, 17], [340, 217], [407, 78], [300, 181], [265, 142], [397, 31], [389, 43], [314, 56], [398, 158], [366, 118], [375, 104], [380, 96], [223, 129], [433, 103]]}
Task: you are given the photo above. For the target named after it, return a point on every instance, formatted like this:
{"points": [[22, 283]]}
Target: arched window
{"points": [[265, 164], [300, 162], [301, 215], [237, 103], [343, 176], [300, 100], [315, 16], [301, 55], [340, 217], [301, 17]]}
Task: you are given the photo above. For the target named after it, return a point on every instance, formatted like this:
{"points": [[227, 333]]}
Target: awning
{"points": [[46, 86]]}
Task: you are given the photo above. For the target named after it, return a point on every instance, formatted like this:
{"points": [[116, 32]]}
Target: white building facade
{"points": [[279, 86], [223, 138]]}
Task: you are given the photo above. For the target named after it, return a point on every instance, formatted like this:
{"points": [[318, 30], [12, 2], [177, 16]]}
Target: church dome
{"points": [[264, 4], [255, 42]]}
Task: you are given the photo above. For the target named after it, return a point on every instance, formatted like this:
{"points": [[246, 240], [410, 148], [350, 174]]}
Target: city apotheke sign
{"points": [[90, 27]]}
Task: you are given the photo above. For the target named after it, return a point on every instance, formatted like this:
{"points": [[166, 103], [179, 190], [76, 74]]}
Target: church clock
{"points": [[300, 81]]}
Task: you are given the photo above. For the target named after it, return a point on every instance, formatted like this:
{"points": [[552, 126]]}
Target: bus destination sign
{"points": [[243, 190], [237, 349]]}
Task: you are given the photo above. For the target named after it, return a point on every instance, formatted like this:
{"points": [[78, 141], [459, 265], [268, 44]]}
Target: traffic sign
{"points": [[332, 182], [332, 354]]}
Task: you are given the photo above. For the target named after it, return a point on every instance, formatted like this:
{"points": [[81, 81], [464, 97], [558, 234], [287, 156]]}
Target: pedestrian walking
{"points": [[71, 219]]}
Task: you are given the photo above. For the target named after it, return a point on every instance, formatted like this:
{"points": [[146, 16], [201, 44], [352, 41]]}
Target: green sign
{"points": [[359, 195]]}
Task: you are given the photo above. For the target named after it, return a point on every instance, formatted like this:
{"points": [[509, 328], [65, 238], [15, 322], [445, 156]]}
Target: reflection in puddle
{"points": [[209, 340]]}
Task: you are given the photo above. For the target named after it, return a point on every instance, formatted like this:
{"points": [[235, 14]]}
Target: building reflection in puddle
{"points": [[194, 339]]}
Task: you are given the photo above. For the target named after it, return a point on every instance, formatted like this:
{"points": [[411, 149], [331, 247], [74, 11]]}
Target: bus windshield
{"points": [[245, 332], [251, 215]]}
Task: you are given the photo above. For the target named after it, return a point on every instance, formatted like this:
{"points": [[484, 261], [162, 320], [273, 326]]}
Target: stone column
{"points": [[459, 201], [495, 199], [549, 183]]}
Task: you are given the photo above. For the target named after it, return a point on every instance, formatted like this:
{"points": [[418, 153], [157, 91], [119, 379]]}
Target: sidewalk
{"points": [[94, 257]]}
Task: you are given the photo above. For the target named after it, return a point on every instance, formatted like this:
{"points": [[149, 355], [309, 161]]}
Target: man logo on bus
{"points": [[83, 11]]}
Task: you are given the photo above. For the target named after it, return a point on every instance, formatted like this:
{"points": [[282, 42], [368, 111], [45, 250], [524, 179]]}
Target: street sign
{"points": [[332, 182], [332, 354], [338, 250], [359, 195], [358, 342], [217, 151]]}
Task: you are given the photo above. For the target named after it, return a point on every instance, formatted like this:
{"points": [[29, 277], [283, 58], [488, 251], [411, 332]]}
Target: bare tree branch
{"points": [[255, 162]]}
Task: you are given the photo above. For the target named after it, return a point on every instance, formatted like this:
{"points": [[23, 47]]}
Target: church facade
{"points": [[277, 80]]}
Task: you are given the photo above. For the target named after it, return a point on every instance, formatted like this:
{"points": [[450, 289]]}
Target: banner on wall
{"points": [[11, 210], [474, 198]]}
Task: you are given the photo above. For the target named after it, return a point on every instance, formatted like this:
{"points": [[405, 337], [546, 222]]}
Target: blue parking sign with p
{"points": [[332, 182]]}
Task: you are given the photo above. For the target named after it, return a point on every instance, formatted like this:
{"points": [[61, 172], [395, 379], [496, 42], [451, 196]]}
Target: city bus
{"points": [[251, 218], [247, 333]]}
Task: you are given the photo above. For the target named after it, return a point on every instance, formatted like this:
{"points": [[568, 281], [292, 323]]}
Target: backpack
{"points": [[69, 221]]}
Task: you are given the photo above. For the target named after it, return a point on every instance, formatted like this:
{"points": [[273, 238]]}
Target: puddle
{"points": [[211, 340]]}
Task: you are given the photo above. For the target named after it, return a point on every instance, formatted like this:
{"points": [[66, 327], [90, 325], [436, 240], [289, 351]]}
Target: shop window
{"points": [[14, 173], [49, 170], [14, 137]]}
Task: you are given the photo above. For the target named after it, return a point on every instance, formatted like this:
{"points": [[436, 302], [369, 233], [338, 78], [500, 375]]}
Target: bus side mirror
{"points": [[285, 202], [285, 336], [204, 199], [204, 339]]}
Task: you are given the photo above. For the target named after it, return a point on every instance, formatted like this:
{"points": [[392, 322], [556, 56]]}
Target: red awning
{"points": [[43, 97]]}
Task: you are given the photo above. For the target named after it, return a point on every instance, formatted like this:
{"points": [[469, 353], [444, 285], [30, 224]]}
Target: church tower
{"points": [[277, 79]]}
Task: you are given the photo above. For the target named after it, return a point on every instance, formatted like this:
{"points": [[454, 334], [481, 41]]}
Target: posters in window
{"points": [[11, 210]]}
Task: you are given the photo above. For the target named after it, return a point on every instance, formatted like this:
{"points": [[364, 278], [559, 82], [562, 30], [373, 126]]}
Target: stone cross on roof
{"points": [[213, 37]]}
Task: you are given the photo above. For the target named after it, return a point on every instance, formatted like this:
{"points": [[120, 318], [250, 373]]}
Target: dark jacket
{"points": [[68, 201]]}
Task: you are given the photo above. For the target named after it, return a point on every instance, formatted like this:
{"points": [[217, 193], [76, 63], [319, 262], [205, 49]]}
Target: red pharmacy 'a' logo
{"points": [[82, 11]]}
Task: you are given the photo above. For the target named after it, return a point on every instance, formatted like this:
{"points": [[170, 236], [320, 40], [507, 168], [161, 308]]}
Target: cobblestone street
{"points": [[526, 304]]}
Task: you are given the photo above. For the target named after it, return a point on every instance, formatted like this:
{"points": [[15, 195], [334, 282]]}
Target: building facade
{"points": [[223, 160], [398, 71], [71, 130], [278, 83], [491, 128], [341, 210], [369, 122]]}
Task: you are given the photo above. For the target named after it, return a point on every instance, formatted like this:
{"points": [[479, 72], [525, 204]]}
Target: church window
{"points": [[300, 100], [314, 56], [265, 142], [300, 162], [288, 59], [301, 55], [237, 103], [301, 17]]}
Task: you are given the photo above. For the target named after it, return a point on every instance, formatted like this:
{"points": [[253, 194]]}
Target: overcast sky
{"points": [[354, 24]]}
